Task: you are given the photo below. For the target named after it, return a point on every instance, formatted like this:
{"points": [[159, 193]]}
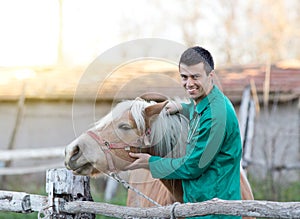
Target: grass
{"points": [[275, 191]]}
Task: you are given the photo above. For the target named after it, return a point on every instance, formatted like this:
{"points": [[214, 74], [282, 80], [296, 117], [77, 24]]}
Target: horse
{"points": [[136, 126]]}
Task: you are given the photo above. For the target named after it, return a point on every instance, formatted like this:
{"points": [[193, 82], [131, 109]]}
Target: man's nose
{"points": [[190, 81]]}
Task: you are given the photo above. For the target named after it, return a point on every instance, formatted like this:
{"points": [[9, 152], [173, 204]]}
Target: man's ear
{"points": [[151, 112]]}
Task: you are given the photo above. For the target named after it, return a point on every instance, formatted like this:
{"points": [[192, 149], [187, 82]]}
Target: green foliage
{"points": [[291, 193], [9, 215], [268, 189]]}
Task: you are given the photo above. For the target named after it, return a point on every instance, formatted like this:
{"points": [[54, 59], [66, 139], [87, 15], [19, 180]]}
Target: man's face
{"points": [[195, 80]]}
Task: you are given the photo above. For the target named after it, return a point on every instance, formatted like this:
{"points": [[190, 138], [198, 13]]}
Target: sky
{"points": [[30, 28], [28, 35]]}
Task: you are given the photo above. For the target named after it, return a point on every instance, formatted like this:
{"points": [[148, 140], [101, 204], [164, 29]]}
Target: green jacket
{"points": [[211, 167]]}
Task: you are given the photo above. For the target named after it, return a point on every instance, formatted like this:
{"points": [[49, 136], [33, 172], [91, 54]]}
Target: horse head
{"points": [[132, 126]]}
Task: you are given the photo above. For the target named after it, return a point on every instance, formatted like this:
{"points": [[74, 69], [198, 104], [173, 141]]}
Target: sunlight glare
{"points": [[24, 74], [29, 32]]}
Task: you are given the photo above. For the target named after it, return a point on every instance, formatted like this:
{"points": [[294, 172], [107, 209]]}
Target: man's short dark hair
{"points": [[196, 55]]}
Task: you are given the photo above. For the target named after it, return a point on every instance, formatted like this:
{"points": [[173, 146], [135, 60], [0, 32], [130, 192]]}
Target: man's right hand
{"points": [[142, 161], [173, 107]]}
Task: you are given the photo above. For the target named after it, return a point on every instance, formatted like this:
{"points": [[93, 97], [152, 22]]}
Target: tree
{"points": [[271, 29]]}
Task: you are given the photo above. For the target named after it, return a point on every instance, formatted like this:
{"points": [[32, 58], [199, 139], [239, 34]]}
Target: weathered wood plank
{"points": [[26, 203], [63, 183], [21, 202], [27, 170], [250, 132], [243, 112], [266, 209], [30, 153]]}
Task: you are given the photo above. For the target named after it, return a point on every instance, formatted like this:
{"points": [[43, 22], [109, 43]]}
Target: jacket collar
{"points": [[206, 100]]}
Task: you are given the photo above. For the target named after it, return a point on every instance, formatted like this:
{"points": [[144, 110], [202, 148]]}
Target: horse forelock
{"points": [[113, 115], [136, 108], [168, 132], [137, 112]]}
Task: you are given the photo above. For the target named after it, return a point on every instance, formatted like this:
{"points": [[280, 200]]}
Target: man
{"points": [[211, 167]]}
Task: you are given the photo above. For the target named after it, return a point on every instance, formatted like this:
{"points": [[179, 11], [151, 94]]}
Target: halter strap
{"points": [[107, 144], [106, 147]]}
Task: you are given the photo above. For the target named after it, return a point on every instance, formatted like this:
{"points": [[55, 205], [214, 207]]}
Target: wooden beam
{"points": [[25, 203], [267, 85], [248, 208], [30, 153], [254, 95], [21, 202], [27, 170]]}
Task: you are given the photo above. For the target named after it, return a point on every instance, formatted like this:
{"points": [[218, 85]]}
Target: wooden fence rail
{"points": [[265, 209], [30, 154], [21, 202], [16, 202], [69, 195]]}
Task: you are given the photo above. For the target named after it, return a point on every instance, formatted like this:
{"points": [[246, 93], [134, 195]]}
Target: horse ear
{"points": [[152, 111]]}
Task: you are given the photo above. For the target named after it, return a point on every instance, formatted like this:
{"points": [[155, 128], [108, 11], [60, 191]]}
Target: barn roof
{"points": [[283, 83], [134, 79]]}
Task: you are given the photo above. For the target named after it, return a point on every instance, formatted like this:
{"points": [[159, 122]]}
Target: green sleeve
{"points": [[206, 143]]}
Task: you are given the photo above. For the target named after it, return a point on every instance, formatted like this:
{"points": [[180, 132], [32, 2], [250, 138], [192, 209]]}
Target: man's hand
{"points": [[173, 107], [142, 161]]}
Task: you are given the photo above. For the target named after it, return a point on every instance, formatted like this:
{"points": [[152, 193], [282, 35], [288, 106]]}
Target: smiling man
{"points": [[211, 166]]}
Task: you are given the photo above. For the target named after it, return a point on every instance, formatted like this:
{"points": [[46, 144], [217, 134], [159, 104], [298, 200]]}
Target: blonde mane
{"points": [[168, 132]]}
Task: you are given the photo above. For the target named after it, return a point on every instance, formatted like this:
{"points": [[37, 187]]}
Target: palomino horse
{"points": [[136, 126]]}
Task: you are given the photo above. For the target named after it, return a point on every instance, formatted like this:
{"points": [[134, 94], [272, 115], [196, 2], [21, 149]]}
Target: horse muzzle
{"points": [[72, 154]]}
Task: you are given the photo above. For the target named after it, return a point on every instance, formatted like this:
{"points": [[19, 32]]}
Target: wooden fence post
{"points": [[19, 117], [62, 186], [246, 122]]}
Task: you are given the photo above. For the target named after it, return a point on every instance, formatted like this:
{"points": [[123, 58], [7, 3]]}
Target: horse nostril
{"points": [[76, 153]]}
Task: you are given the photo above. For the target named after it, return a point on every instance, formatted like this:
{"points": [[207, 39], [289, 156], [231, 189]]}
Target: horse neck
{"points": [[172, 134], [174, 186]]}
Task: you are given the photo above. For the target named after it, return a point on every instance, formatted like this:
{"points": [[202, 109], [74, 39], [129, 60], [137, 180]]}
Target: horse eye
{"points": [[125, 126]]}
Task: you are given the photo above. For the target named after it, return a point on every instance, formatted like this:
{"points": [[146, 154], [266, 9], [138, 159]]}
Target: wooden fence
{"points": [[29, 154], [69, 197]]}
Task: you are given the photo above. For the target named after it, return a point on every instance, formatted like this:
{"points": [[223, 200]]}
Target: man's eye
{"points": [[125, 126], [195, 77], [184, 77]]}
